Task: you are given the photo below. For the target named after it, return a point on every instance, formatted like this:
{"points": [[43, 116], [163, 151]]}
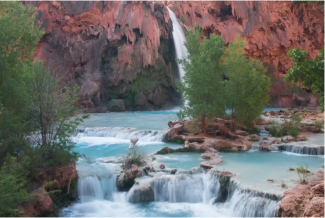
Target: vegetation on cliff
{"points": [[218, 79], [35, 111], [309, 73]]}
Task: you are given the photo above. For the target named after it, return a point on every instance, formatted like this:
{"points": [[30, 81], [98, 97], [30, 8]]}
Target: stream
{"points": [[187, 193]]}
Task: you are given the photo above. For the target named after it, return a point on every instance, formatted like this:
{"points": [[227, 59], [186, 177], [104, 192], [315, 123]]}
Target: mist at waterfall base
{"points": [[108, 135]]}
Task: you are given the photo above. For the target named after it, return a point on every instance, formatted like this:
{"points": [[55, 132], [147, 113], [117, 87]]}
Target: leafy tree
{"points": [[309, 73], [203, 82], [19, 35], [13, 186], [246, 86], [52, 107]]}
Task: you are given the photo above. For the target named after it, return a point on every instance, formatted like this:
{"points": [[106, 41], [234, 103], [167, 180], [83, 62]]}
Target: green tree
{"points": [[309, 73], [246, 86], [52, 107], [13, 186], [203, 82], [19, 35]]}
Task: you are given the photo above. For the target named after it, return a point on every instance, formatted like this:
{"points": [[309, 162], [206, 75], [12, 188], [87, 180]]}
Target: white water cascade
{"points": [[97, 181], [250, 203], [198, 188], [179, 40], [123, 133]]}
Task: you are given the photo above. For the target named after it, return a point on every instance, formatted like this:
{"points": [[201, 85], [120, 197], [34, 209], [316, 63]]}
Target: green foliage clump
{"points": [[203, 87], [287, 128], [217, 79], [150, 78], [303, 174], [19, 36], [13, 186], [246, 86], [309, 73], [135, 156], [51, 111], [319, 125], [35, 110]]}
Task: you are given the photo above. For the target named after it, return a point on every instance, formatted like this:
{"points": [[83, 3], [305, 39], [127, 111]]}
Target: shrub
{"points": [[287, 128], [13, 186], [135, 156], [319, 125], [303, 173]]}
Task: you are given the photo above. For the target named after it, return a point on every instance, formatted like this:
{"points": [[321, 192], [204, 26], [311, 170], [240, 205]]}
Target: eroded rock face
{"points": [[270, 30], [113, 50], [41, 204], [303, 201], [61, 175]]}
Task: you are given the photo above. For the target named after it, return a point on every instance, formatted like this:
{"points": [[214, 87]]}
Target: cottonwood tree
{"points": [[52, 108], [19, 35], [203, 87], [246, 86], [309, 73]]}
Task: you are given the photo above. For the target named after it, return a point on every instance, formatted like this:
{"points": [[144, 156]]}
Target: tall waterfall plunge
{"points": [[179, 40]]}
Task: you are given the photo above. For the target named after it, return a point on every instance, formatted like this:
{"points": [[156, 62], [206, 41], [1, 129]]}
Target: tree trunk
{"points": [[203, 124]]}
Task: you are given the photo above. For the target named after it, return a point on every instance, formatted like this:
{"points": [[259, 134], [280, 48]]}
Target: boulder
{"points": [[241, 133], [303, 200], [173, 171], [266, 145], [208, 155], [174, 131], [270, 180], [41, 204], [254, 137], [226, 174], [210, 164], [165, 150], [116, 105], [133, 142], [162, 166], [125, 179]]}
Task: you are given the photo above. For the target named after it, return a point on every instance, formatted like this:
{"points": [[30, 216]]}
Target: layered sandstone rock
{"points": [[60, 178], [270, 30], [304, 200], [113, 50]]}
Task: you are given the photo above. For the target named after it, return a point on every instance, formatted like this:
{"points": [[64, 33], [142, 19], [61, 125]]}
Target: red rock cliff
{"points": [[106, 47], [123, 50], [270, 30]]}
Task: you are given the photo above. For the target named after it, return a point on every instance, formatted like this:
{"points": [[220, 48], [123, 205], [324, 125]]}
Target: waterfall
{"points": [[200, 188], [123, 133], [250, 203], [97, 181], [179, 40], [299, 149]]}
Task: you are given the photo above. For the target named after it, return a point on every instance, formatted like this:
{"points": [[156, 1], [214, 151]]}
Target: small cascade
{"points": [[199, 188], [299, 149], [179, 188], [251, 203], [123, 133], [179, 40], [97, 181]]}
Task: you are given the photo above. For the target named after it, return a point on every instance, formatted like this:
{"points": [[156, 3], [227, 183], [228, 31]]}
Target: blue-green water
{"points": [[108, 135]]}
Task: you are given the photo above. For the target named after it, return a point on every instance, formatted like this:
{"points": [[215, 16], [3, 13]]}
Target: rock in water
{"points": [[133, 142], [116, 105], [162, 166]]}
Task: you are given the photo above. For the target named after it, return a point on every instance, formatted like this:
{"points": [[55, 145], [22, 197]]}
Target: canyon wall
{"points": [[269, 29], [124, 50], [112, 50]]}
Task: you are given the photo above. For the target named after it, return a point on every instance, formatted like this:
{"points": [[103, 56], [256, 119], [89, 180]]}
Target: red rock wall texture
{"points": [[270, 30], [105, 47]]}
